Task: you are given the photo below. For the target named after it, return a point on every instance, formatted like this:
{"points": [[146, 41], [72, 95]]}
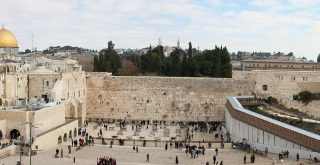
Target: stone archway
{"points": [[75, 132], [14, 134], [1, 135], [70, 134], [65, 139], [59, 139]]}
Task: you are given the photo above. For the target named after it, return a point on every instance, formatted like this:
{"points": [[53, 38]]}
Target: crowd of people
{"points": [[195, 151], [283, 154], [203, 127], [106, 161], [191, 127]]}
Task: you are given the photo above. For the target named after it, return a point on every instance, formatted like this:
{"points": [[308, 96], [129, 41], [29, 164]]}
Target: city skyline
{"points": [[268, 26]]}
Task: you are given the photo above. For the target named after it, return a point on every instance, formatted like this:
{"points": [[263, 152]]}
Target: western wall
{"points": [[161, 98]]}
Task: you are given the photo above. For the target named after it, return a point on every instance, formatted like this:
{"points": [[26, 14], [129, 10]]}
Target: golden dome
{"points": [[7, 39]]}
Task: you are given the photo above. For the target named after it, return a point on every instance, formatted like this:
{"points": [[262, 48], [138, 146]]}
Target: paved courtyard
{"points": [[125, 156]]}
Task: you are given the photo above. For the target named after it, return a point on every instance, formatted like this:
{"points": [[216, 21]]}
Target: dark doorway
{"points": [[1, 135], [65, 137], [14, 134], [45, 98]]}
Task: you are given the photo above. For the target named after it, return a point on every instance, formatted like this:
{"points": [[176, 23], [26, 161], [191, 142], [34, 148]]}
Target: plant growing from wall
{"points": [[304, 96]]}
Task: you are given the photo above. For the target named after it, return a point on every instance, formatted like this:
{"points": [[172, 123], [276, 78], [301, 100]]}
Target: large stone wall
{"points": [[283, 85], [161, 98]]}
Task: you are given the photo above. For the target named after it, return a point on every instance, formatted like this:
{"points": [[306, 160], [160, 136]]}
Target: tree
{"points": [[184, 65], [190, 50], [128, 68], [305, 96], [108, 60], [27, 51]]}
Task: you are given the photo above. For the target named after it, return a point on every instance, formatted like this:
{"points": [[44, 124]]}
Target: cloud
{"points": [[260, 25]]}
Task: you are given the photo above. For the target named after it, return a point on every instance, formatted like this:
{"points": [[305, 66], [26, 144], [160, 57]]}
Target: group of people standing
{"points": [[106, 161], [252, 158], [283, 155], [215, 158], [194, 151]]}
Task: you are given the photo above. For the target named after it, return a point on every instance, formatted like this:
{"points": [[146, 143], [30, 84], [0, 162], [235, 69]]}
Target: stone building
{"points": [[52, 99], [248, 65]]}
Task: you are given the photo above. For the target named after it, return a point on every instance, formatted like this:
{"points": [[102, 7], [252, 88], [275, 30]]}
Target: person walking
{"points": [[245, 159], [148, 157], [221, 163], [298, 157], [207, 163], [266, 151], [214, 159], [253, 158], [216, 151], [74, 159], [177, 160]]}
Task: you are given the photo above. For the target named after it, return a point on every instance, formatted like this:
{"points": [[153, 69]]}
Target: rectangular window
{"points": [[265, 87]]}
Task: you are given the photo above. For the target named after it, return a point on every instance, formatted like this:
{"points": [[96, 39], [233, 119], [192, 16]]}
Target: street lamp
{"points": [[30, 137]]}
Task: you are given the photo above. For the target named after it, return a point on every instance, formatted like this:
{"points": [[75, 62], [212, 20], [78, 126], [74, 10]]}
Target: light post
{"points": [[30, 138]]}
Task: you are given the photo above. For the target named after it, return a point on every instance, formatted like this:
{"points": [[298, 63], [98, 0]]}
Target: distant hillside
{"points": [[55, 49]]}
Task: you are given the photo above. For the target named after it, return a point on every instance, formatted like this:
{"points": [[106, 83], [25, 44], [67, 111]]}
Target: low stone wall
{"points": [[161, 144], [50, 139], [10, 150]]}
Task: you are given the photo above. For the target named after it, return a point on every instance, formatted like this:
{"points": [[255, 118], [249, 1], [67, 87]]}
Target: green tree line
{"points": [[180, 63]]}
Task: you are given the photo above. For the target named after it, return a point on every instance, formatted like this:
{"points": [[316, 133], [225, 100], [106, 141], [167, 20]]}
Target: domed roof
{"points": [[7, 39]]}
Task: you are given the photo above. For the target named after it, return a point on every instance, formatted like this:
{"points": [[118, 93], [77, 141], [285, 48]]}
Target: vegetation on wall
{"points": [[271, 100], [306, 96]]}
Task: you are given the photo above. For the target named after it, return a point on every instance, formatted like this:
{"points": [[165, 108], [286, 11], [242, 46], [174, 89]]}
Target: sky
{"points": [[240, 25]]}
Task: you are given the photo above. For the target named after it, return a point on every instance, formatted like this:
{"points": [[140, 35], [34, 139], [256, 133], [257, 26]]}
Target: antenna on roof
{"points": [[32, 37]]}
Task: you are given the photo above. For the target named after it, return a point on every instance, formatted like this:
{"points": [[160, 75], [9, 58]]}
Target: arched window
{"points": [[59, 139], [65, 137], [14, 134]]}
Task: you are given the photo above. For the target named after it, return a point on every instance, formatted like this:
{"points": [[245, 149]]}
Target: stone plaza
{"points": [[158, 156]]}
